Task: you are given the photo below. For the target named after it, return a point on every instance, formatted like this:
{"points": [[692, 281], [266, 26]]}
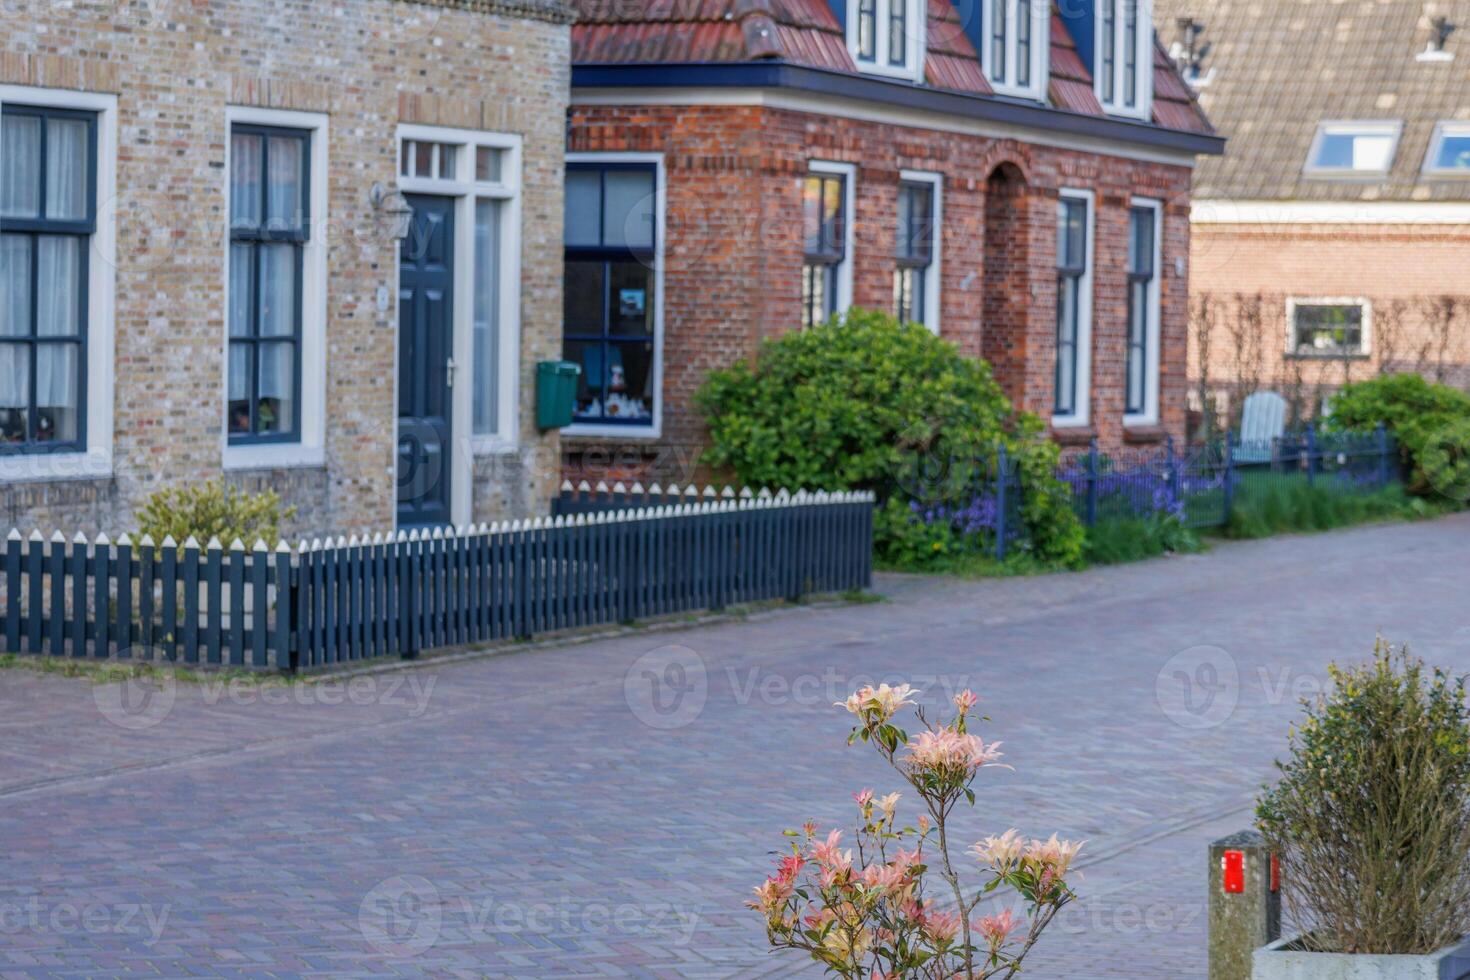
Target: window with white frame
{"points": [[1329, 327], [826, 275], [1354, 149], [482, 172], [1017, 41], [57, 176], [1449, 150], [1123, 62], [886, 37], [1074, 309], [612, 299], [916, 272], [1142, 389]]}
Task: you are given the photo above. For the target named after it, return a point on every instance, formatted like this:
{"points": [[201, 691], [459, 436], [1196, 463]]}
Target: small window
{"points": [[824, 222], [1328, 328], [270, 225], [1142, 367], [48, 214], [887, 36], [1449, 151], [609, 303], [1016, 33], [421, 158], [913, 277], [1354, 149], [1072, 302], [1124, 57]]}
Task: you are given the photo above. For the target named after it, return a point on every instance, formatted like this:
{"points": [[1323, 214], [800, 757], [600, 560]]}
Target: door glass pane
{"points": [[423, 159], [242, 288], [287, 204], [68, 153], [486, 354], [277, 388], [238, 408], [56, 392], [584, 208], [630, 298], [628, 211], [59, 286], [15, 285], [245, 180], [584, 297], [448, 155], [488, 164], [278, 291], [15, 391], [20, 166]]}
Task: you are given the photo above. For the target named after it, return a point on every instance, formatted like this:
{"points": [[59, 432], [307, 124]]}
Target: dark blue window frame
{"points": [[1142, 241], [608, 256], [35, 229], [256, 236]]}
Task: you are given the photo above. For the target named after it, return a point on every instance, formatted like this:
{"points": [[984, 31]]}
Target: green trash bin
{"points": [[556, 393]]}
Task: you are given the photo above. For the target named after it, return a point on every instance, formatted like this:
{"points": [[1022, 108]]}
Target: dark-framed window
{"points": [[270, 225], [916, 236], [1109, 73], [1130, 53], [48, 214], [1142, 239], [1023, 42], [898, 42], [867, 30], [1326, 329], [611, 273], [1071, 274], [999, 31], [824, 226]]}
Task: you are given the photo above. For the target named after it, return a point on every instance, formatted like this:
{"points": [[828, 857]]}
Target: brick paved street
{"points": [[556, 812]]}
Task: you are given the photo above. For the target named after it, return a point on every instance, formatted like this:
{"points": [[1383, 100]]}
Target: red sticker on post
{"points": [[1233, 865], [1275, 874]]}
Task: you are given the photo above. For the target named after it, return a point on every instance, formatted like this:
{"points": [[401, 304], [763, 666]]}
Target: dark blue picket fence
{"points": [[321, 604]]}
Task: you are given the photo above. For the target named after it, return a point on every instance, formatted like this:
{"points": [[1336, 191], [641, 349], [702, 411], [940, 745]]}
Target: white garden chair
{"points": [[1262, 423]]}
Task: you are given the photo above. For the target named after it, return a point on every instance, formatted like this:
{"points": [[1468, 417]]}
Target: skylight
{"points": [[1354, 148], [1449, 151]]}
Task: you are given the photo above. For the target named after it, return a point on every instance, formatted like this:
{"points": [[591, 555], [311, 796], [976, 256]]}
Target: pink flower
{"points": [[999, 852], [877, 705], [948, 752], [1054, 856], [941, 927], [965, 700], [863, 799], [996, 929]]}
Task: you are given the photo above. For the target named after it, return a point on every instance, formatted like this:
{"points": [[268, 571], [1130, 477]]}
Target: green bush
{"points": [[865, 402], [1125, 539], [1371, 816], [1430, 421], [212, 509], [1288, 505]]}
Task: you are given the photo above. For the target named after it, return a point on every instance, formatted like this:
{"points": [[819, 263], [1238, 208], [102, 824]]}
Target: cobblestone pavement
{"points": [[568, 812]]}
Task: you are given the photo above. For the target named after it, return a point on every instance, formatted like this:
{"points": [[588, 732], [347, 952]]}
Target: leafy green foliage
{"points": [[1288, 505], [1430, 421], [865, 402], [1371, 816], [1123, 539], [213, 509]]}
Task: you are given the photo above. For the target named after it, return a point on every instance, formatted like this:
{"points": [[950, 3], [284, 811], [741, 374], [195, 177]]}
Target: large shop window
{"points": [[270, 224], [1074, 309], [48, 214], [611, 273]]}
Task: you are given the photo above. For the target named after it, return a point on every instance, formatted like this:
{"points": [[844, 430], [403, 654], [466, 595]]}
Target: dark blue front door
{"points": [[425, 349]]}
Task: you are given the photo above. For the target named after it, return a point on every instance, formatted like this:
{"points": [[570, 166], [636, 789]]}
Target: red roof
{"points": [[806, 32]]}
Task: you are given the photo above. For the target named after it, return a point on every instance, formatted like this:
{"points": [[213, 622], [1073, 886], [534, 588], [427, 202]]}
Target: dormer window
{"points": [[1124, 57], [886, 37], [1016, 46], [1449, 150], [1353, 149]]}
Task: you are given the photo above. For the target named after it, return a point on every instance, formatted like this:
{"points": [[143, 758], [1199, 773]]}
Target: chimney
{"points": [[1189, 54], [1440, 30]]}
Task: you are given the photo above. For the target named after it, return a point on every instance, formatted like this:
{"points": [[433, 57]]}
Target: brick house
{"points": [[263, 239], [738, 168], [1333, 242]]}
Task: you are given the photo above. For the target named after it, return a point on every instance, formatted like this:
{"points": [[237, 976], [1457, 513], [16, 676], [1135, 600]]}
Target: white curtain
{"points": [[56, 376], [20, 167], [242, 258], [278, 291], [15, 285], [284, 196], [14, 373], [239, 372], [245, 180], [67, 154], [59, 286]]}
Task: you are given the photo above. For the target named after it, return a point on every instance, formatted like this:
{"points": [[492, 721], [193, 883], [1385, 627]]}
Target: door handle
{"points": [[449, 367]]}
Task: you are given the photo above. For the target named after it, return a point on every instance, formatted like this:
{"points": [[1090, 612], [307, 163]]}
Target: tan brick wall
{"points": [[175, 65], [733, 273], [1414, 277]]}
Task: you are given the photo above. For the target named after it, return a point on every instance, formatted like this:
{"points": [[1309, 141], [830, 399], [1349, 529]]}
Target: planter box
{"points": [[1282, 960]]}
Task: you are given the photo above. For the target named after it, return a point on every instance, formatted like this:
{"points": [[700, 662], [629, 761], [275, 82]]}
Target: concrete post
{"points": [[1245, 904]]}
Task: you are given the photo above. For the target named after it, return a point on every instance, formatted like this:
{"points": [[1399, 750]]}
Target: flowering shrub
{"points": [[865, 913]]}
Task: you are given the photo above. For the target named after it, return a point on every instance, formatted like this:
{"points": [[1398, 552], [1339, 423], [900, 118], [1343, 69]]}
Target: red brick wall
{"points": [[733, 268]]}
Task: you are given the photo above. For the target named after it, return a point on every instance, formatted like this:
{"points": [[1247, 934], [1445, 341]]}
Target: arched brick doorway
{"points": [[1007, 300]]}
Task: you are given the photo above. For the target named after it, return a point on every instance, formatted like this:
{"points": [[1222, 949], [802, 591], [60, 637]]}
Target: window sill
{"points": [[1074, 434], [1143, 433], [279, 456], [55, 467], [1334, 356], [585, 430]]}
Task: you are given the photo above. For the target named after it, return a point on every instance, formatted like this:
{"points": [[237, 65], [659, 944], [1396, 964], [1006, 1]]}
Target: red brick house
{"points": [[739, 168]]}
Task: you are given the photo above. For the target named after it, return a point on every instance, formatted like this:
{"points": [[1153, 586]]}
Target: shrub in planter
{"points": [[893, 906], [868, 403], [1430, 421], [1371, 816], [212, 509]]}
